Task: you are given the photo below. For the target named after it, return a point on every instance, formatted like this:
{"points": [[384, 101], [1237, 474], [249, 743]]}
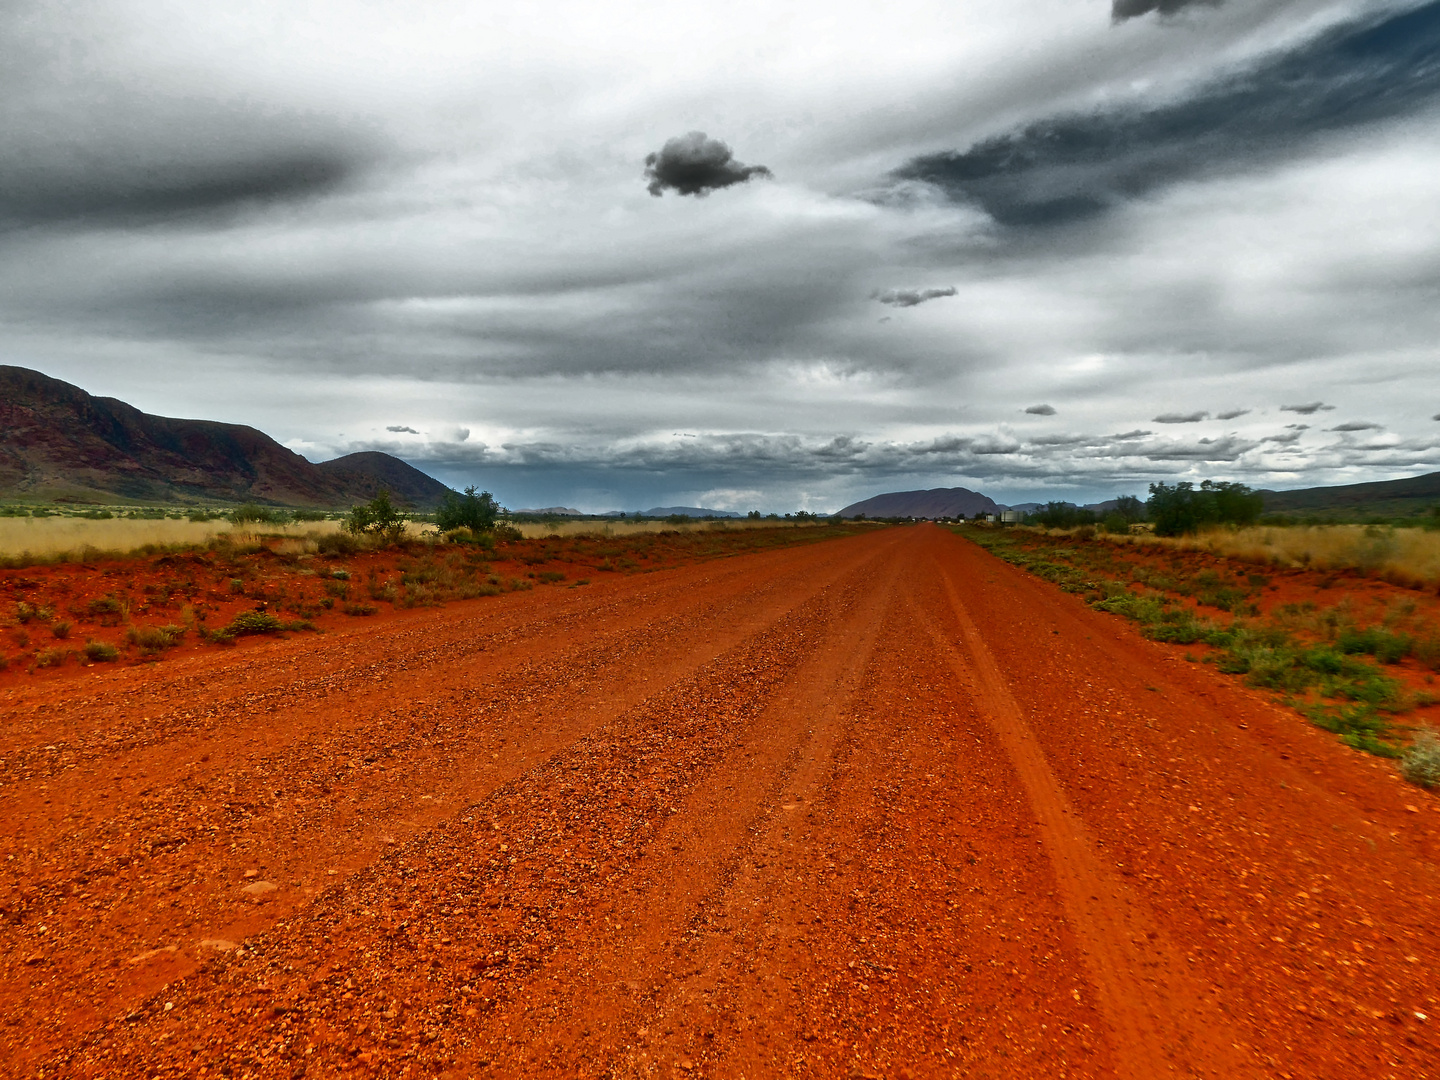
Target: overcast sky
{"points": [[745, 255]]}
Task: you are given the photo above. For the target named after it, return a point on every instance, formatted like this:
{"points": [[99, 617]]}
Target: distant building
{"points": [[1012, 517]]}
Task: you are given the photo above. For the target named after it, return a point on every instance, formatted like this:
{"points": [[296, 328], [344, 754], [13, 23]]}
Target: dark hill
{"points": [[1407, 497], [58, 443], [935, 503], [363, 474]]}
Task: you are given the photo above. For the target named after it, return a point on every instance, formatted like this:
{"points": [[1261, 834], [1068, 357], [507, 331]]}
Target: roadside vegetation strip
{"points": [[106, 608], [1321, 663]]}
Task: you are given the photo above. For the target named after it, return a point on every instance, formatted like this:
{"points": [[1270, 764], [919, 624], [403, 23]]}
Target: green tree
{"points": [[476, 512], [379, 517], [1182, 508]]}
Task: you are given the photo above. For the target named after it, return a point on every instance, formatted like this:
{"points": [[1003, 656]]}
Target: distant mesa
{"points": [[689, 511], [552, 511], [60, 444], [935, 503]]}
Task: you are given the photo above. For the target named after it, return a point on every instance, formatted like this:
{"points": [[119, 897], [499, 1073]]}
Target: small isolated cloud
{"points": [[911, 297], [402, 428], [1138, 433], [696, 164], [1120, 10], [1231, 414], [1436, 416], [460, 434], [1298, 427], [1041, 410], [1357, 425], [1180, 418], [1310, 408]]}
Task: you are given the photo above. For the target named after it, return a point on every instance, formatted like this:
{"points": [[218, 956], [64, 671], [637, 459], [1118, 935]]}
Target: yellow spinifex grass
{"points": [[49, 537], [1403, 556]]}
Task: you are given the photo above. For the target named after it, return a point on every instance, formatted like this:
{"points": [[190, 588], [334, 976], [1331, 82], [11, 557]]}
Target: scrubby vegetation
{"points": [[1325, 663]]}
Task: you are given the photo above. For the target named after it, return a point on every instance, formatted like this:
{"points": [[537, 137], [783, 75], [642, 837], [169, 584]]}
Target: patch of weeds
{"points": [[154, 639], [1386, 646], [107, 610], [340, 590], [358, 609], [1420, 761], [52, 657], [520, 584], [61, 629], [550, 577], [101, 652], [253, 622], [1359, 726]]}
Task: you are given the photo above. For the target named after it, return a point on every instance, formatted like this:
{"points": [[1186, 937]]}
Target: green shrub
{"points": [[1420, 761], [1182, 508], [52, 657], [358, 609], [253, 622], [61, 629], [100, 652], [474, 513], [379, 517]]}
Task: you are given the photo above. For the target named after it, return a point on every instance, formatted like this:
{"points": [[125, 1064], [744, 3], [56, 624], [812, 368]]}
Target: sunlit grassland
{"points": [[51, 538], [1402, 556]]}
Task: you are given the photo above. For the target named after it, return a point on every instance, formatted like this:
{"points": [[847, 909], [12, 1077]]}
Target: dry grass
{"points": [[1408, 557], [48, 538]]}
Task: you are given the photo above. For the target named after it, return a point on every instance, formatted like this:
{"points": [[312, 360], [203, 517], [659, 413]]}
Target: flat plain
{"points": [[880, 805]]}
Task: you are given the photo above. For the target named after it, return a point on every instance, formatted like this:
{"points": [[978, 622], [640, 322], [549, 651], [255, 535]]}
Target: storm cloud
{"points": [[1120, 10], [1077, 165], [912, 297], [401, 428], [1232, 414], [696, 164], [1180, 418], [1310, 408], [1041, 410]]}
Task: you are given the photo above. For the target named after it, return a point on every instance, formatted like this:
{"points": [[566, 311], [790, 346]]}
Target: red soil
{"points": [[879, 806]]}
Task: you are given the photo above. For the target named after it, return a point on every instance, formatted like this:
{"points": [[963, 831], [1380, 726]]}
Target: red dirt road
{"points": [[879, 806]]}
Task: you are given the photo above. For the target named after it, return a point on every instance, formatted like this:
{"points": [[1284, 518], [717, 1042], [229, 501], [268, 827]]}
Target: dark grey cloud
{"points": [[911, 297], [1232, 414], [1074, 166], [1120, 10], [1288, 439], [1180, 418], [696, 164], [1310, 408], [1138, 433], [1041, 410], [1357, 425], [402, 428]]}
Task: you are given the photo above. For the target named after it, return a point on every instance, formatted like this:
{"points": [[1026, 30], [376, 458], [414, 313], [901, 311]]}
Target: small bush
{"points": [[154, 639], [100, 652], [379, 517], [1420, 762], [253, 622], [61, 630], [337, 544], [52, 657], [476, 514], [550, 577], [358, 609]]}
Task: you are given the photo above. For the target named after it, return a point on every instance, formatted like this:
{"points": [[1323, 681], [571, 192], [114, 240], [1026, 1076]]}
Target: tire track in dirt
{"points": [[1159, 1015]]}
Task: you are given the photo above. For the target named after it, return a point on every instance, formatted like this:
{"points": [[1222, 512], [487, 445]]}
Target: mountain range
{"points": [[61, 444]]}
